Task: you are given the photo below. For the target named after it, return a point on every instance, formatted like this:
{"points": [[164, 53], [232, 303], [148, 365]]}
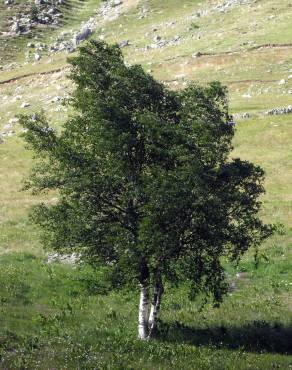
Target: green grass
{"points": [[59, 316]]}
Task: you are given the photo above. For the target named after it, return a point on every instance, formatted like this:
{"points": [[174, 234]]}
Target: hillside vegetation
{"points": [[61, 316]]}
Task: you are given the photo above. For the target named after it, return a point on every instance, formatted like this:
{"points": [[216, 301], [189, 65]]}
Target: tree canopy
{"points": [[145, 179]]}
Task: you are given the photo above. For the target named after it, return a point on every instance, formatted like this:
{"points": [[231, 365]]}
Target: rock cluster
{"points": [[278, 111], [227, 4], [222, 7], [8, 129], [106, 10], [245, 115], [63, 258], [68, 41], [46, 12], [159, 42]]}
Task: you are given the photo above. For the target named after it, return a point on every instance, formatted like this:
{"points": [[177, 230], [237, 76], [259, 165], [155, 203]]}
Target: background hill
{"points": [[47, 319]]}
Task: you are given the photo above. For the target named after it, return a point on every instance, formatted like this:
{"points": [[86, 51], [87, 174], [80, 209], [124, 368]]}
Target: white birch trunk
{"points": [[155, 306], [154, 310], [143, 312]]}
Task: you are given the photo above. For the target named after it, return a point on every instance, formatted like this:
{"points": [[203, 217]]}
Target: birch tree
{"points": [[145, 179]]}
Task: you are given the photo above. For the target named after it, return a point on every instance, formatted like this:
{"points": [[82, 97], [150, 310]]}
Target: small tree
{"points": [[145, 180]]}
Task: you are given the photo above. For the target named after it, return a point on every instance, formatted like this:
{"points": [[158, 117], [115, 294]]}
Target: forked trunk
{"points": [[155, 305], [143, 312]]}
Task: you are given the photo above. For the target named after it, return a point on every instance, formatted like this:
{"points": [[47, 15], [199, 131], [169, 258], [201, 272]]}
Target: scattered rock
{"points": [[282, 82], [279, 111], [106, 10], [237, 116], [229, 4], [64, 258], [9, 133], [45, 12], [160, 43], [13, 121]]}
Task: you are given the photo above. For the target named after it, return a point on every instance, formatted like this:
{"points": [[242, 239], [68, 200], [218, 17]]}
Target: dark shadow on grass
{"points": [[256, 336]]}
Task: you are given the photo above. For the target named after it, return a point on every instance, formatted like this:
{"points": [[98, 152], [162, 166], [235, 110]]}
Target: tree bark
{"points": [[155, 305], [143, 312]]}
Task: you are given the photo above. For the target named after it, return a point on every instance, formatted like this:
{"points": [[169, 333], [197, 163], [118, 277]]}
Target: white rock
{"points": [[282, 82], [56, 99], [82, 35], [14, 120], [15, 28], [124, 43], [17, 97], [196, 55], [24, 105], [116, 3]]}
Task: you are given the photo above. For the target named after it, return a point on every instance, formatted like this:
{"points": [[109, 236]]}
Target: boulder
{"points": [[123, 44], [82, 35], [15, 28], [116, 3]]}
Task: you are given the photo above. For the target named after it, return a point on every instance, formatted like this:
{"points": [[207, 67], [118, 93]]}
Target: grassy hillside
{"points": [[59, 316]]}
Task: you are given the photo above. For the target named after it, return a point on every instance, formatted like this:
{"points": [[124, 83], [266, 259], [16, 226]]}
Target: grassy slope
{"points": [[47, 319]]}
